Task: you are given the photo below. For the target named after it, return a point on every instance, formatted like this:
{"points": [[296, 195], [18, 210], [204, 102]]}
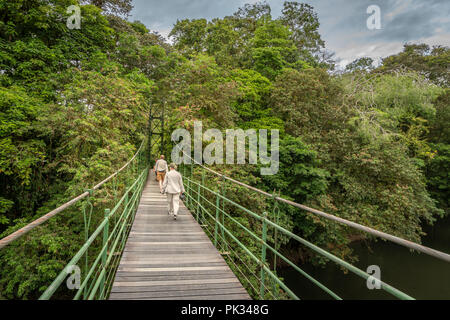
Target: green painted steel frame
{"points": [[98, 279], [195, 196]]}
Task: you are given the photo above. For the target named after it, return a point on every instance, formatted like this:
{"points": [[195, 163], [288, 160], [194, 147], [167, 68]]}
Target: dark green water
{"points": [[416, 274]]}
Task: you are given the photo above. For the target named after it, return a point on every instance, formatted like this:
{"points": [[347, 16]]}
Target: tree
{"points": [[360, 64], [248, 18], [299, 176], [437, 172], [304, 25], [430, 62], [252, 105], [200, 89], [439, 124], [271, 49], [224, 42], [307, 100], [189, 35], [370, 174], [119, 7], [22, 153], [254, 11]]}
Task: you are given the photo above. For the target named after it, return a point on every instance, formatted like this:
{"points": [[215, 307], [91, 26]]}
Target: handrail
{"points": [[127, 213], [397, 293], [19, 233], [403, 242]]}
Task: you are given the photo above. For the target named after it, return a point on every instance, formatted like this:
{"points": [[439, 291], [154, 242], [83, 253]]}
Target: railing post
{"points": [[216, 226], [188, 189], [224, 192], [87, 223], [203, 192], [125, 220], [198, 203], [105, 252], [276, 213], [263, 254]]}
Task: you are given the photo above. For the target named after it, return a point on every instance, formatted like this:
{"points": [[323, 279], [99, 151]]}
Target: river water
{"points": [[416, 274]]}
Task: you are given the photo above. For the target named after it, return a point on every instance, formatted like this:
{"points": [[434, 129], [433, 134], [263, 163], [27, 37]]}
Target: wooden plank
{"points": [[163, 243], [218, 296], [171, 274], [168, 261], [222, 275], [171, 259], [128, 269], [175, 294], [173, 282], [167, 233], [231, 285]]}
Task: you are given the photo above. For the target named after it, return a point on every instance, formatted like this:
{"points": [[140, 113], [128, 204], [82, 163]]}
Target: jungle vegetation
{"points": [[370, 144]]}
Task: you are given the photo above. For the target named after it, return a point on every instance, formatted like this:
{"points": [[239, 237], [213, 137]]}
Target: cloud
{"points": [[342, 22]]}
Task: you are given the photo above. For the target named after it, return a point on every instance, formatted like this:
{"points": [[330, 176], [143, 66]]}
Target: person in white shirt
{"points": [[173, 187], [160, 170]]}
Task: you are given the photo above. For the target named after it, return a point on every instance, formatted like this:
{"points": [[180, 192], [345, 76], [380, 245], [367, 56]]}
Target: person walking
{"points": [[173, 187], [160, 170]]}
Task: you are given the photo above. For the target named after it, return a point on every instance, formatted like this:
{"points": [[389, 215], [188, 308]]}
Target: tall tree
{"points": [[433, 63], [118, 7], [360, 64], [304, 25], [189, 35]]}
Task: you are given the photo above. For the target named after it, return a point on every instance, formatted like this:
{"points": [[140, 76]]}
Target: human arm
{"points": [[181, 185]]}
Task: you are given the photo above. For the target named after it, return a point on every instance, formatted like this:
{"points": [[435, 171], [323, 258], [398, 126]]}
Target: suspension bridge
{"points": [[138, 252]]}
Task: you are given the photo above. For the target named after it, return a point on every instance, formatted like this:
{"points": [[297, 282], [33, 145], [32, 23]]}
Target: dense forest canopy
{"points": [[369, 144]]}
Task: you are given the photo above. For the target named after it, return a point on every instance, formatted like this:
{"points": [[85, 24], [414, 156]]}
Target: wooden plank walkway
{"points": [[166, 259]]}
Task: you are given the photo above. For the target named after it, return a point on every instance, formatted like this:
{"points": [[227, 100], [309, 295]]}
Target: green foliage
{"points": [[119, 7], [299, 176], [74, 105], [202, 90], [438, 174], [439, 128], [20, 150], [432, 63], [308, 101], [189, 35], [402, 105], [360, 138], [255, 90], [304, 25], [361, 64]]}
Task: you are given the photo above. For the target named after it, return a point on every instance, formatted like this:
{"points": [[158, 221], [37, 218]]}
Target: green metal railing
{"points": [[99, 278], [249, 241], [92, 269], [247, 247]]}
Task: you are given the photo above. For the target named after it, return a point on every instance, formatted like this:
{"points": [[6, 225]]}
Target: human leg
{"points": [[170, 203], [176, 203]]}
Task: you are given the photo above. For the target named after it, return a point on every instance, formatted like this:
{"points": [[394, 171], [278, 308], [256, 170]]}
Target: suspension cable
{"points": [[19, 233], [403, 242]]}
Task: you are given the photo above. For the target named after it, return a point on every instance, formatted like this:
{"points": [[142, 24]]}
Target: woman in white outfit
{"points": [[160, 171], [173, 187]]}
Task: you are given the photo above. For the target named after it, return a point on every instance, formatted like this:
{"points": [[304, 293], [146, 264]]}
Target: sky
{"points": [[343, 23]]}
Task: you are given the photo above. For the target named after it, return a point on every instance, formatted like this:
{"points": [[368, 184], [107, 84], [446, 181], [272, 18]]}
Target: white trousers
{"points": [[173, 203]]}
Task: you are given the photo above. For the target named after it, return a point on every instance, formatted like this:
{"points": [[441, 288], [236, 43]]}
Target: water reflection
{"points": [[418, 275]]}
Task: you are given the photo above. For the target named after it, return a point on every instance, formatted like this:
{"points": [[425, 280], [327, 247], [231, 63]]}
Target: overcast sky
{"points": [[343, 23]]}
